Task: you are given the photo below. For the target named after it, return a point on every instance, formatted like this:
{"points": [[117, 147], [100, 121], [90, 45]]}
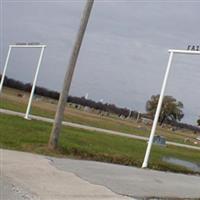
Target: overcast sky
{"points": [[124, 53]]}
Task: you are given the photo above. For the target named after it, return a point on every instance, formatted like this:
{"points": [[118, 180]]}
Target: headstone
{"points": [[87, 109], [160, 140]]}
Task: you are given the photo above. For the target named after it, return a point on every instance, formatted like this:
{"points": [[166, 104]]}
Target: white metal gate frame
{"points": [[153, 129], [36, 72]]}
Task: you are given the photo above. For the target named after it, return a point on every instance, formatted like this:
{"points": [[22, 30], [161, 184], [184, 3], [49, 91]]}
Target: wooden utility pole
{"points": [[54, 137]]}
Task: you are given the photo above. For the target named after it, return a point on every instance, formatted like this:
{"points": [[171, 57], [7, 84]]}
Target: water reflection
{"points": [[190, 165]]}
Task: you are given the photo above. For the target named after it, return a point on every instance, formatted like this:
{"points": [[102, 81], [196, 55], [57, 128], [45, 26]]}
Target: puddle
{"points": [[189, 165]]}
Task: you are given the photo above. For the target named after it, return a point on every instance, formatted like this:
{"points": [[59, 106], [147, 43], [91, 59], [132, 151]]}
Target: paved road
{"points": [[99, 130], [26, 176], [131, 181]]}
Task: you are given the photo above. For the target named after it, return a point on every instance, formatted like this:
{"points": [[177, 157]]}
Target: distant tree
{"points": [[110, 108], [171, 108], [198, 122]]}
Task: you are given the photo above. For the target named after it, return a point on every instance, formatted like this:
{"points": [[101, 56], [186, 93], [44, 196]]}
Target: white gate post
{"points": [[5, 67], [34, 83], [148, 150]]}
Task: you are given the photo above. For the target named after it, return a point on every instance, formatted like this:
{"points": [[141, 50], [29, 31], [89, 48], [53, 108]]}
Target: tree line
{"points": [[42, 91], [171, 112]]}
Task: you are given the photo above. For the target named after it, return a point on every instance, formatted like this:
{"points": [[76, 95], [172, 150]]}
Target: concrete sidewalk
{"points": [[28, 176]]}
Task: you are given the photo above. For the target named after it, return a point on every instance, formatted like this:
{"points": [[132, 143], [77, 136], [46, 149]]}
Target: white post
{"points": [[146, 158], [4, 70], [34, 84], [138, 117]]}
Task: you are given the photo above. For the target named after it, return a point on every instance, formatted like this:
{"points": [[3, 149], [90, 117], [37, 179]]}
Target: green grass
{"points": [[19, 134], [43, 108], [81, 117]]}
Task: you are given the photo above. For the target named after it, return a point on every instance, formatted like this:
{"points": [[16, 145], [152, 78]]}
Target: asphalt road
{"points": [[26, 176], [131, 181], [99, 130]]}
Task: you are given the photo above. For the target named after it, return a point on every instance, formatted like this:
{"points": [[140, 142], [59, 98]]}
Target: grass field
{"points": [[32, 136], [47, 107]]}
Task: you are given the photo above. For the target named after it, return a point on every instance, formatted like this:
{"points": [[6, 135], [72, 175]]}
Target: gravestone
{"points": [[160, 140]]}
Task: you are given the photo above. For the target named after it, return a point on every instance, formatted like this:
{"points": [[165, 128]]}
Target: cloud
{"points": [[124, 53]]}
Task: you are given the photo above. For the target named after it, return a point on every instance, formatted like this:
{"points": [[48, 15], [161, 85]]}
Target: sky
{"points": [[124, 52]]}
